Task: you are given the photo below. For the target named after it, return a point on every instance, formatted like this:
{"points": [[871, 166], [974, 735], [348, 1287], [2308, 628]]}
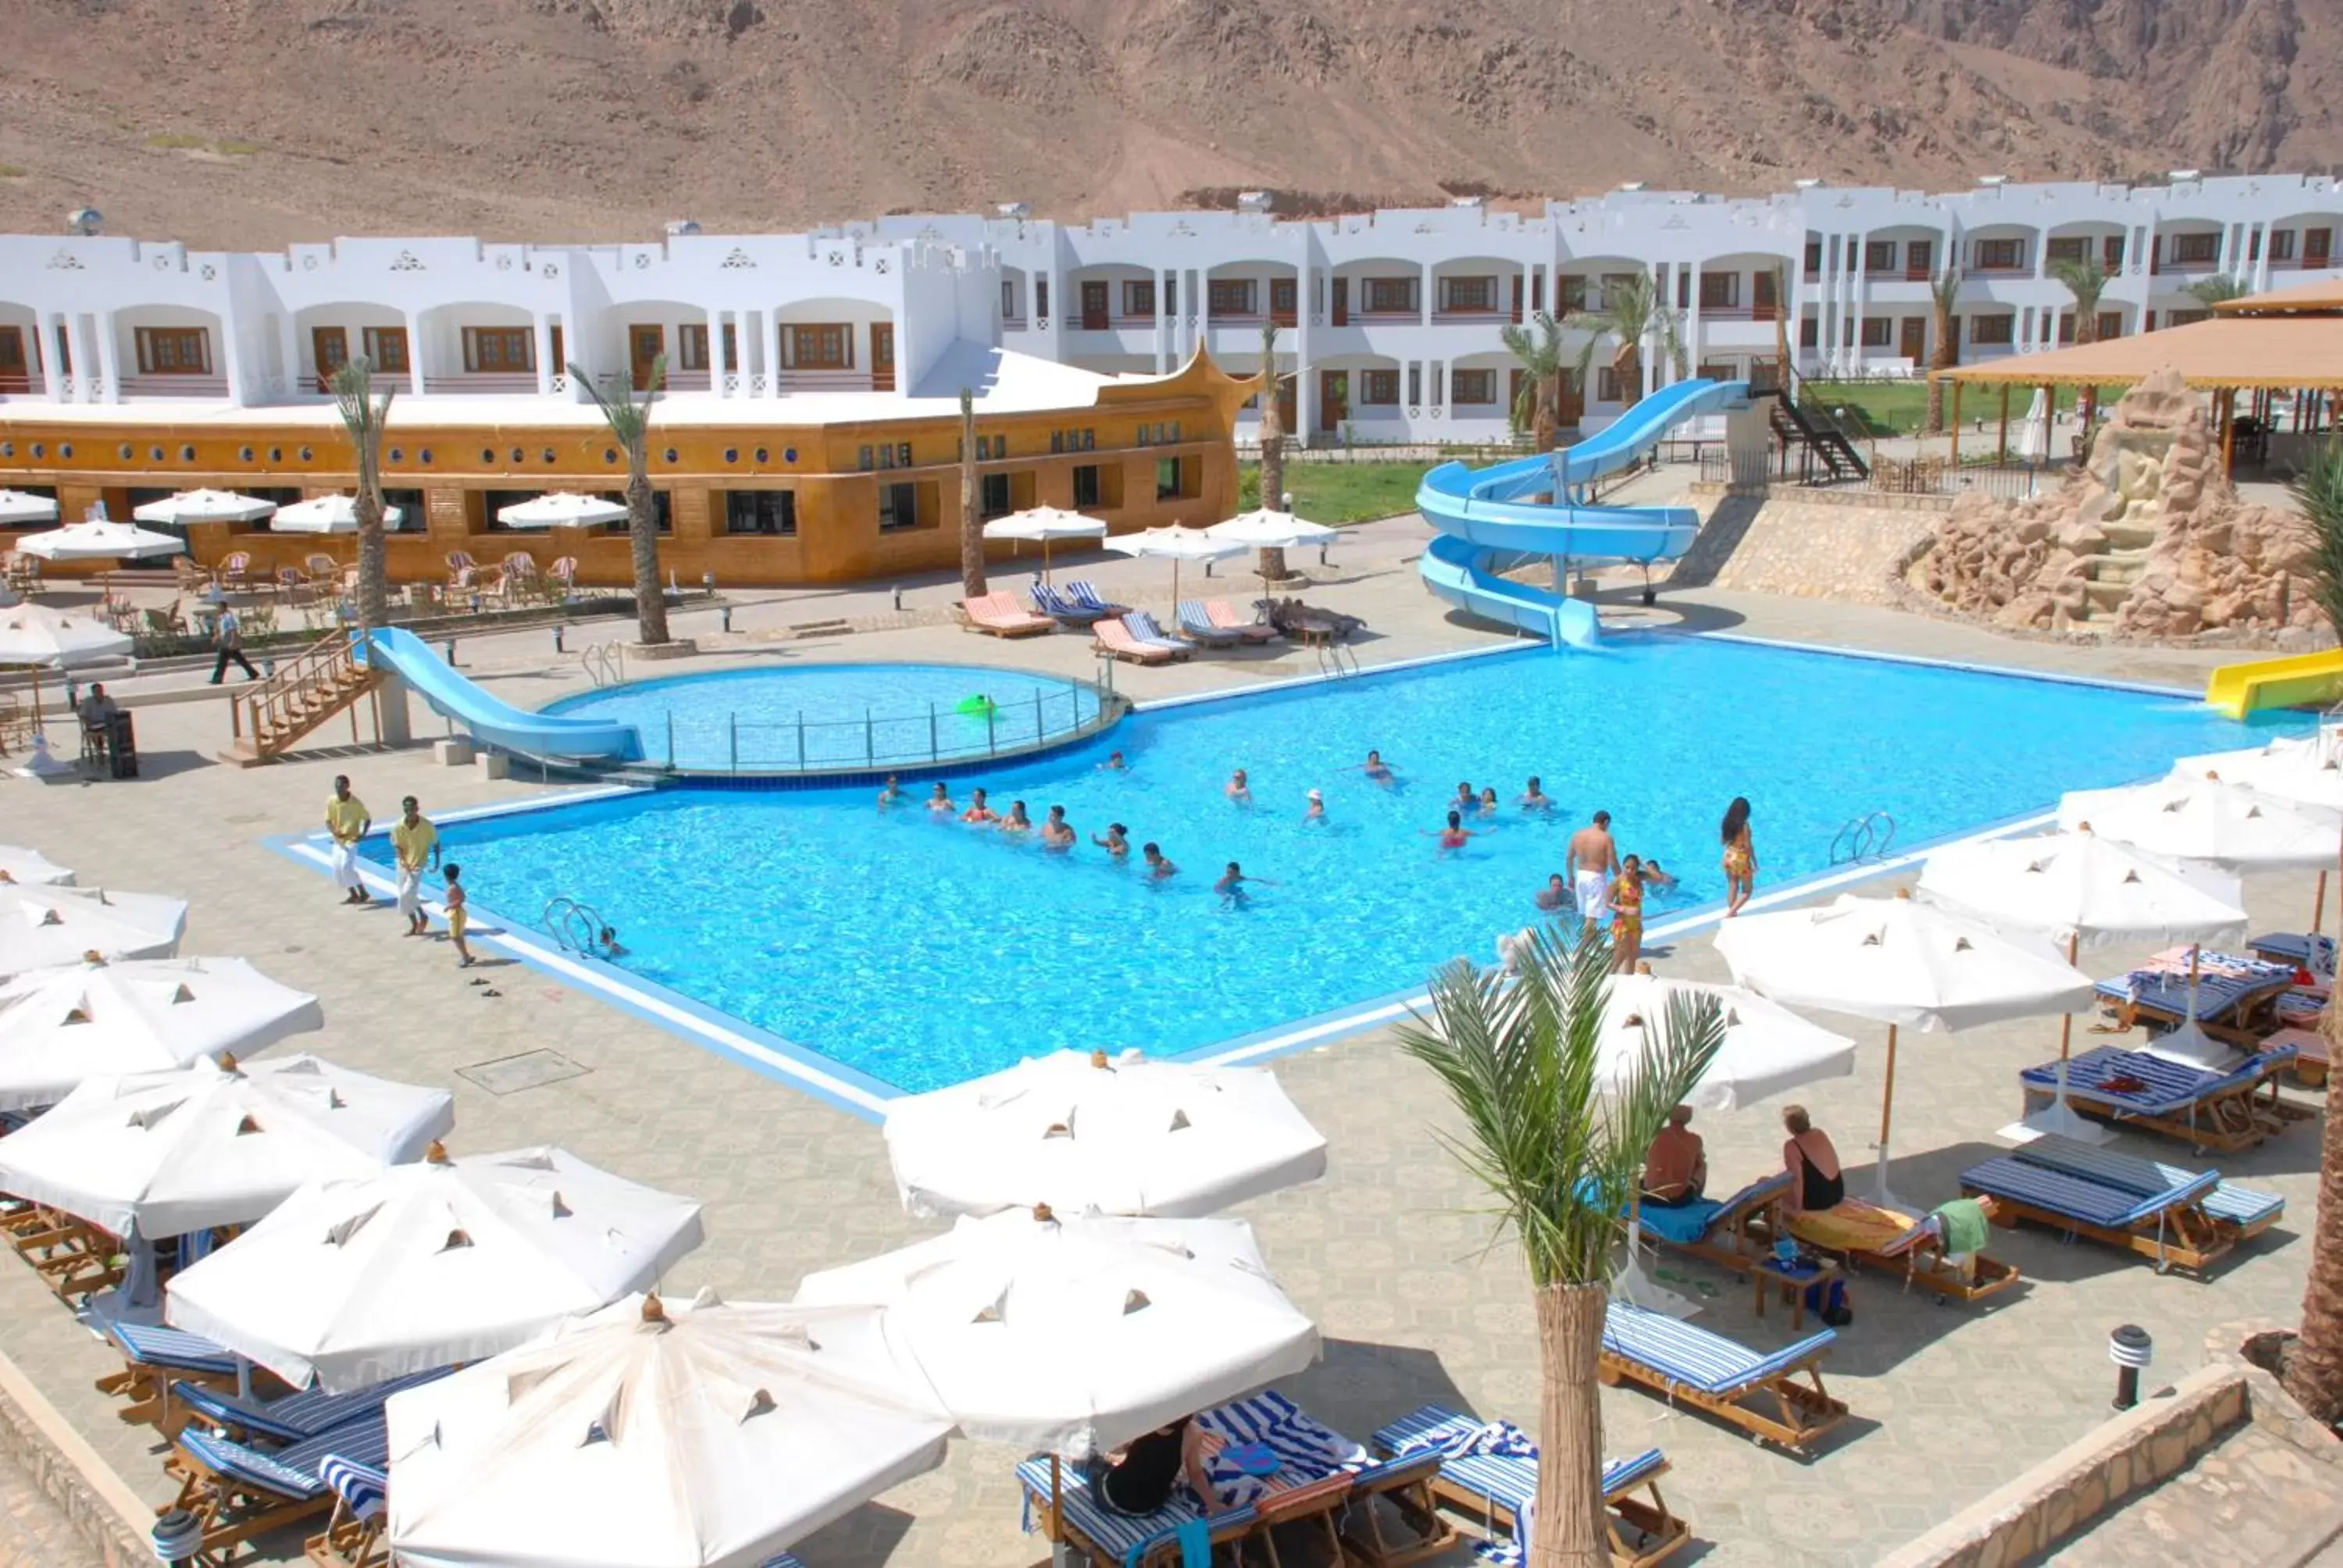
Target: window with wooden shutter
{"points": [[174, 351]]}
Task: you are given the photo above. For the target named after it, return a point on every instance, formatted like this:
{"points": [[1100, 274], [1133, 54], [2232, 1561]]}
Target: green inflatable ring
{"points": [[977, 707]]}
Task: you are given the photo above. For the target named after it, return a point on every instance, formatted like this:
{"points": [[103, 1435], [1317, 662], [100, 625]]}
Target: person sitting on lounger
{"points": [[1017, 821], [939, 800], [1057, 833], [1117, 841], [1159, 864], [1816, 1181], [1239, 792], [1676, 1171], [1535, 799], [1139, 1480], [978, 812]]}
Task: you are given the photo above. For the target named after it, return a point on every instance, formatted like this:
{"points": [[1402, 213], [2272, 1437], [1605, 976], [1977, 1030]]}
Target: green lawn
{"points": [[1339, 493], [1900, 407]]}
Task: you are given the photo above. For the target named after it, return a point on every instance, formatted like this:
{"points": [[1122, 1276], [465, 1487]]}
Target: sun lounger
{"points": [[1489, 1474], [996, 614], [237, 1492], [1761, 1395], [353, 1533], [1060, 609], [2312, 1054], [1219, 612], [1113, 636], [2231, 1111], [1858, 1233], [1089, 599], [1143, 628], [2308, 953], [2235, 993], [154, 1358], [2181, 1219], [1197, 626], [294, 1418], [1146, 1541], [73, 1258], [1731, 1233]]}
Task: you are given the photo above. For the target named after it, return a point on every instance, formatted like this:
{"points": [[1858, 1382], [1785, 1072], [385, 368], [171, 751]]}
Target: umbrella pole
{"points": [[1887, 1113], [2318, 905], [1057, 1523]]}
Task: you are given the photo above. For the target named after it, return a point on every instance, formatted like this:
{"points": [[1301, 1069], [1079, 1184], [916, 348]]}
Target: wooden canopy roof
{"points": [[2238, 349]]}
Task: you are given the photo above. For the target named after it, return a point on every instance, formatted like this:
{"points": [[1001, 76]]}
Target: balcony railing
{"points": [[2192, 265], [16, 385], [834, 381], [1997, 269], [1413, 317], [480, 383], [1236, 319], [1468, 315], [175, 385], [1014, 324], [1740, 312], [1921, 274]]}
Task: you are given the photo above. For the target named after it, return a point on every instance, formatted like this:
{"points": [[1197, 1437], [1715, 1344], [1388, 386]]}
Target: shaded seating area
{"points": [[1777, 1398], [238, 1492], [2236, 997], [1488, 1475], [156, 1363], [2230, 1110], [2181, 1218]]}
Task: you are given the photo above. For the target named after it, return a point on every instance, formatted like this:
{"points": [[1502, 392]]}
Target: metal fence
{"points": [[944, 732]]}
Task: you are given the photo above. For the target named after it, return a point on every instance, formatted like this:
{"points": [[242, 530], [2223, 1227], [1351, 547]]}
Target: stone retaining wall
{"points": [[1835, 544], [98, 1504]]}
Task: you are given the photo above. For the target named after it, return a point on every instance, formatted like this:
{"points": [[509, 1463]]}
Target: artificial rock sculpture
{"points": [[2146, 536]]}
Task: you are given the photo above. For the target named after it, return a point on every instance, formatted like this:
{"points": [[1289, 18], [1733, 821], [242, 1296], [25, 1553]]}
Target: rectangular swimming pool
{"points": [[919, 952]]}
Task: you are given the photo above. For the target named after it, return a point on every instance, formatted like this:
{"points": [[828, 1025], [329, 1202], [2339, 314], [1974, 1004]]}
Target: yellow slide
{"points": [[2302, 680]]}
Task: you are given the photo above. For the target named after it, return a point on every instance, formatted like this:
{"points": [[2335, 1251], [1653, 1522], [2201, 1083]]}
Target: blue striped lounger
{"points": [[1119, 1538], [2170, 1225], [154, 1358], [297, 1416], [237, 1491], [1708, 1228], [2250, 1209], [2205, 1109], [1723, 1376]]}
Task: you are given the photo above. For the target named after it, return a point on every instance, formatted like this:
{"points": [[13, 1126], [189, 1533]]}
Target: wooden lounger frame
{"points": [[1660, 1533], [2232, 1121], [230, 1512], [1804, 1413], [2190, 1239], [148, 1390], [73, 1257], [1737, 1239], [1412, 1488], [1924, 1264], [348, 1542]]}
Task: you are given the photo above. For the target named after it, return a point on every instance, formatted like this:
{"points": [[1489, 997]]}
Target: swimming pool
{"points": [[797, 717], [919, 953]]}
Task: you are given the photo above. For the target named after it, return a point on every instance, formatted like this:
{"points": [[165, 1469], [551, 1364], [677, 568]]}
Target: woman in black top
{"points": [[1816, 1181], [1140, 1479]]}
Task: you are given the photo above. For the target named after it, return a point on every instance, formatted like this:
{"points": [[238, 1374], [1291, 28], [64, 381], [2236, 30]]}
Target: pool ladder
{"points": [[605, 662], [1865, 838], [577, 927], [1335, 658]]}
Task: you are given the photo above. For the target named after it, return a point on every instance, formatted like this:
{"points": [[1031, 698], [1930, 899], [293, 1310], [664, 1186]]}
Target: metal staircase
{"points": [[1830, 458], [268, 715]]}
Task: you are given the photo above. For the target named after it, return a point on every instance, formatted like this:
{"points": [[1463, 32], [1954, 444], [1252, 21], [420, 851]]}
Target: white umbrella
{"points": [[1272, 530], [163, 1153], [203, 506], [423, 1266], [60, 1026], [325, 514], [2076, 889], [1044, 524], [19, 864], [37, 635], [2306, 769], [561, 509], [2200, 818], [2033, 434], [1768, 1049], [1078, 1335], [1899, 962], [709, 1435], [98, 539], [41, 927], [1079, 1131], [16, 506], [1175, 544]]}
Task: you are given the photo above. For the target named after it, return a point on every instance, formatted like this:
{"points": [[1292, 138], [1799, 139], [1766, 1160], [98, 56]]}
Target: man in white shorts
{"points": [[347, 819], [1593, 861], [417, 843]]}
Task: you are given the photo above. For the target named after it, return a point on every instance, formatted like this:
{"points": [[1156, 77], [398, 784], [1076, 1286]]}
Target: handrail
{"points": [[274, 701], [578, 927], [1863, 838], [605, 662]]}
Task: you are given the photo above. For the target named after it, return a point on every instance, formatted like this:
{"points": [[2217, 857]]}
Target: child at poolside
{"points": [[1453, 837], [455, 898], [1317, 812], [1056, 832], [939, 800], [1627, 916], [978, 812], [1158, 866], [1117, 841], [1239, 792], [1017, 821]]}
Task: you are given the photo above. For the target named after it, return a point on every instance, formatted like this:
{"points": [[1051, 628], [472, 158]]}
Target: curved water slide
{"points": [[1535, 505], [491, 719]]}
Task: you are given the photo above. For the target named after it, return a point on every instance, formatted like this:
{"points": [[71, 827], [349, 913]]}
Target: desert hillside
{"points": [[250, 122]]}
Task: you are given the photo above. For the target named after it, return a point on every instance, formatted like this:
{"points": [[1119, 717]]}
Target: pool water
{"points": [[834, 715], [922, 952]]}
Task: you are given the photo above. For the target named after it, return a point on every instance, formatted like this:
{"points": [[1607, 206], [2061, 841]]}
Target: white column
{"points": [[1424, 301], [716, 369], [109, 366], [2262, 267], [231, 363], [542, 325], [1861, 292], [416, 349], [288, 347], [52, 374], [773, 353], [1693, 346], [1305, 397], [1167, 323]]}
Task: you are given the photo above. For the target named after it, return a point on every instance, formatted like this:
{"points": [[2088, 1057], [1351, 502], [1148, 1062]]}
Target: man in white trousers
{"points": [[347, 819], [417, 842]]}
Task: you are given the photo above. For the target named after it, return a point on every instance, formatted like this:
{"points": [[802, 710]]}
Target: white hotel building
{"points": [[1390, 318]]}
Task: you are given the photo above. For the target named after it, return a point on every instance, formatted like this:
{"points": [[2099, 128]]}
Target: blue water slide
{"points": [[1535, 506], [494, 720]]}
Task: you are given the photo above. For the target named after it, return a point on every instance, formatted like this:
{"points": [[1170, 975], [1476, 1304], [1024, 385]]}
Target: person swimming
{"points": [[1453, 836], [1377, 770], [1656, 878], [1534, 799], [1159, 864], [1239, 792], [1113, 763], [1489, 801], [1017, 821], [978, 812], [939, 800], [1233, 883], [1317, 808], [1554, 896], [1465, 799], [1117, 841], [1057, 833], [893, 795]]}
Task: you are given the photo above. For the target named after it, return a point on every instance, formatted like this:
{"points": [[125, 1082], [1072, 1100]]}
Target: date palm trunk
{"points": [[642, 540], [971, 524], [1272, 452], [2314, 1373], [1568, 1532]]}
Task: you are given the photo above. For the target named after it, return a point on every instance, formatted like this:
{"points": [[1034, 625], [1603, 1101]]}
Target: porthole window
{"points": [[153, 454], [396, 456], [125, 450], [789, 455], [39, 450], [488, 458], [7, 449], [548, 454], [731, 454], [306, 453], [245, 453], [520, 456], [609, 454], [276, 454], [424, 456], [186, 454], [66, 451], [670, 454], [763, 456]]}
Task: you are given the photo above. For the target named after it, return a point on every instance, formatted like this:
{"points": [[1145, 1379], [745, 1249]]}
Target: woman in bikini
{"points": [[1627, 916], [1740, 856], [1816, 1181]]}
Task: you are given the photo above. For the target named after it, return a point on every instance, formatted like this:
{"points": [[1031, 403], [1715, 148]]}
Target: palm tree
{"points": [[2085, 280], [1273, 450], [1539, 408], [1944, 348], [364, 417], [630, 428], [2222, 286], [971, 521], [1633, 312], [1561, 1159]]}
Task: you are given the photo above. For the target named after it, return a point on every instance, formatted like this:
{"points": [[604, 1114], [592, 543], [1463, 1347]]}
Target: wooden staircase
{"points": [[267, 716]]}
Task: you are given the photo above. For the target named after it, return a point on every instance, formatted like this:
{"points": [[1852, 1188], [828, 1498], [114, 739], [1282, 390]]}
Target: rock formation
{"points": [[2147, 537]]}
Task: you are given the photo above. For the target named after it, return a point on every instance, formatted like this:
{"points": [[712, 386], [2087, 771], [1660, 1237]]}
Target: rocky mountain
{"points": [[250, 122]]}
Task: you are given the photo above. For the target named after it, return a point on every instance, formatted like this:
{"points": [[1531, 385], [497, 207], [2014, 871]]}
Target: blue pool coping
{"points": [[860, 1094]]}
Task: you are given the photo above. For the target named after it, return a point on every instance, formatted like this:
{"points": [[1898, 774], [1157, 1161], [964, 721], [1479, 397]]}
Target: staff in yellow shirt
{"points": [[347, 819], [416, 841]]}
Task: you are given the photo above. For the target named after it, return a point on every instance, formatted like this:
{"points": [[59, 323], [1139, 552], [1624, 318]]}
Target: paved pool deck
{"points": [[1389, 1251]]}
